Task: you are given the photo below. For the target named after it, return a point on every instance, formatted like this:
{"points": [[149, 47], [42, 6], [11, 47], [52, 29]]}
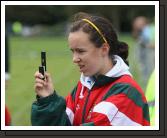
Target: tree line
{"points": [[120, 15]]}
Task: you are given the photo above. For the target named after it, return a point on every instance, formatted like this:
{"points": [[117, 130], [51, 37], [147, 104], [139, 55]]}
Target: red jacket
{"points": [[119, 102]]}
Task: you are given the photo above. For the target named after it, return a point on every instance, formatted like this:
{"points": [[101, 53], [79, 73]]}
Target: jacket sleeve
{"points": [[49, 111]]}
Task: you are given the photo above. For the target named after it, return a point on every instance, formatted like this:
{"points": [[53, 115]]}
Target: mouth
{"points": [[81, 68]]}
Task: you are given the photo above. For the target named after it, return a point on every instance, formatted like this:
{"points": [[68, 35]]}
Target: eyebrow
{"points": [[76, 49]]}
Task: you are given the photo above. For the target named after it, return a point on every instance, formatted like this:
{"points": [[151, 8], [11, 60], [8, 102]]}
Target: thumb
{"points": [[48, 77]]}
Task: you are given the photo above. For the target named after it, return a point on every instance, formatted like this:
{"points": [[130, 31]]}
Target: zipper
{"points": [[86, 102], [84, 109]]}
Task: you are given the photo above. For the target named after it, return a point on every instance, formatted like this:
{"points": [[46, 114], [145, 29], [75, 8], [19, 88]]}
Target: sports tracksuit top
{"points": [[113, 99]]}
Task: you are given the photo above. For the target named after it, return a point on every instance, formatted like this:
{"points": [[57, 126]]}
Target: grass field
{"points": [[24, 61]]}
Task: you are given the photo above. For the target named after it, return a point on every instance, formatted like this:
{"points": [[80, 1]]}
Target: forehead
{"points": [[79, 36], [79, 39]]}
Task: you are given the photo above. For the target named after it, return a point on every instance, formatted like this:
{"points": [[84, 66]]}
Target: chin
{"points": [[86, 74]]}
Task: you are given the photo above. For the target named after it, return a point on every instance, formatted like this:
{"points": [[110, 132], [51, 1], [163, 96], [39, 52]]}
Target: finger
{"points": [[48, 77], [37, 80], [38, 87], [38, 75]]}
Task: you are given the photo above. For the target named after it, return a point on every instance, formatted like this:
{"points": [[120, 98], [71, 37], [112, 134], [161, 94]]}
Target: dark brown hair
{"points": [[106, 28]]}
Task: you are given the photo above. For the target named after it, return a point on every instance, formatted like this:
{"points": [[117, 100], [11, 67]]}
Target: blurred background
{"points": [[31, 29]]}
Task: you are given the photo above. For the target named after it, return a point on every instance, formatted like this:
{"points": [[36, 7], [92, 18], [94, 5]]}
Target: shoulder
{"points": [[128, 81], [127, 86]]}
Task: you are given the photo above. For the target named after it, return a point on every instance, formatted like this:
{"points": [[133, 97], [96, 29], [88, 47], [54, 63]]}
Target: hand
{"points": [[43, 88]]}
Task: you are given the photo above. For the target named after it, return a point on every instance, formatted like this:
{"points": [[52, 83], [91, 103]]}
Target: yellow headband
{"points": [[94, 26]]}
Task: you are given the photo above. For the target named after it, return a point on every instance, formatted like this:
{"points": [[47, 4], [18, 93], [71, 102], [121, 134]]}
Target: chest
{"points": [[84, 104]]}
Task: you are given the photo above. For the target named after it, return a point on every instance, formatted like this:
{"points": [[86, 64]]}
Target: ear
{"points": [[105, 49]]}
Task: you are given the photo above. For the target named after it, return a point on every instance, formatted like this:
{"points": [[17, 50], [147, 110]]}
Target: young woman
{"points": [[106, 93]]}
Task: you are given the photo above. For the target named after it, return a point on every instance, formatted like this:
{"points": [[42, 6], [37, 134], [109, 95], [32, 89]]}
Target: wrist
{"points": [[42, 99]]}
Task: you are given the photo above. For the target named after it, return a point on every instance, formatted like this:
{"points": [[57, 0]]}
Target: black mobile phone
{"points": [[42, 68], [42, 71], [43, 59]]}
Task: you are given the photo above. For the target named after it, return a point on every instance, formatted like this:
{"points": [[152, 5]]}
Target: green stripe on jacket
{"points": [[73, 93], [131, 93], [88, 124]]}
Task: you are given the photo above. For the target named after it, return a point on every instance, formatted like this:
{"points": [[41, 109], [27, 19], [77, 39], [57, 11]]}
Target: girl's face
{"points": [[86, 55]]}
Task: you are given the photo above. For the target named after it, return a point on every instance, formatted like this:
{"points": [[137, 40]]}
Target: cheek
{"points": [[94, 63], [92, 59]]}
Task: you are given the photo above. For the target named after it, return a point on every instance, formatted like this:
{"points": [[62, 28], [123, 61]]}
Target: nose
{"points": [[76, 58]]}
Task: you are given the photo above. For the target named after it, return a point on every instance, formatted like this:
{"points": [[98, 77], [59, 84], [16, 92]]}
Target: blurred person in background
{"points": [[106, 93], [144, 33], [7, 117], [150, 95], [7, 64], [7, 78]]}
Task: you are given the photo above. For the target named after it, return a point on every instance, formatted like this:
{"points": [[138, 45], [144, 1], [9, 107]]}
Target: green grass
{"points": [[25, 59]]}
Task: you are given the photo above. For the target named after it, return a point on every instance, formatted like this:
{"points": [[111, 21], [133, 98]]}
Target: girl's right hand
{"points": [[43, 88]]}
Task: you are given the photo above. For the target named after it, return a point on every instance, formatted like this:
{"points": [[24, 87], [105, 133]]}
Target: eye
{"points": [[80, 51]]}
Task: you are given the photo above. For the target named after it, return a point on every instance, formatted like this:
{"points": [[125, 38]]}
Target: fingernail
{"points": [[41, 76]]}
